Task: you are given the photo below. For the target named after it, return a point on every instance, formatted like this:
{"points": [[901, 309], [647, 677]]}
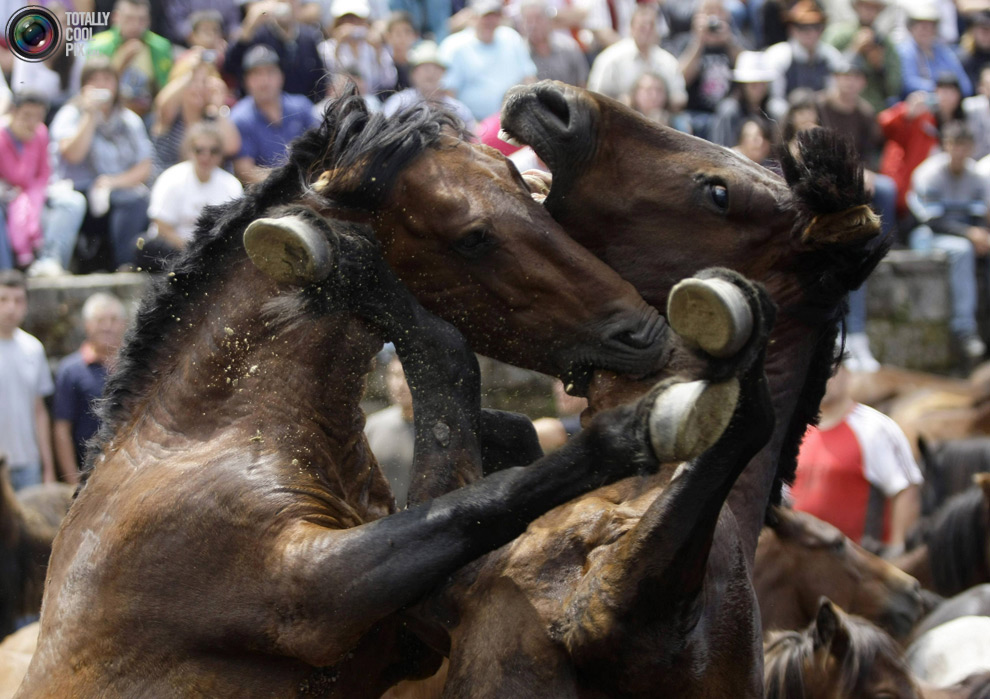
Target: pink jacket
{"points": [[27, 169]]}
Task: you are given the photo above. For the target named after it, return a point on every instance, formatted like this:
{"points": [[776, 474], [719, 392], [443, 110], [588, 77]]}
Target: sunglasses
{"points": [[207, 151]]}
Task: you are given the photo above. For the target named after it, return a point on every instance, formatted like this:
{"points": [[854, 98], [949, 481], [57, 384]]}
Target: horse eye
{"points": [[720, 196], [474, 243]]}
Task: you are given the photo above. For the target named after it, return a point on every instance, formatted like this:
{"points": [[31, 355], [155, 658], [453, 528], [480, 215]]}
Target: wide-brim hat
{"points": [[753, 67], [358, 8], [486, 7], [425, 52], [806, 12], [923, 12]]}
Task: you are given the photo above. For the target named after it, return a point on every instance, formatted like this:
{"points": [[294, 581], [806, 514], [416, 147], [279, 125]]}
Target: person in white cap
{"points": [[750, 98], [426, 71], [348, 47], [924, 56]]}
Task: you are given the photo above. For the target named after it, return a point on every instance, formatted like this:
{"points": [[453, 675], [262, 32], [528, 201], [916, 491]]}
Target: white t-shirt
{"points": [[617, 68], [178, 197], [887, 459], [24, 376]]}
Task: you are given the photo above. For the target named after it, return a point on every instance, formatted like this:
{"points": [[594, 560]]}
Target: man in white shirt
{"points": [[182, 191], [619, 66]]}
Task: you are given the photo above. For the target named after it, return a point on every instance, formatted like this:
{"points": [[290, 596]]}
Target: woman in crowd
{"points": [[648, 96], [104, 149], [755, 140], [750, 96], [349, 46]]}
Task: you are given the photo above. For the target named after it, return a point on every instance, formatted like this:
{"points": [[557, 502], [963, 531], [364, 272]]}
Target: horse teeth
{"points": [[504, 136]]}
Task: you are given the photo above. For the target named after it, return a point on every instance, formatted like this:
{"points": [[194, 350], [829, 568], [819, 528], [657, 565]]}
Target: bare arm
{"points": [[43, 428], [65, 451], [905, 507], [169, 101], [247, 171], [171, 236], [75, 148]]}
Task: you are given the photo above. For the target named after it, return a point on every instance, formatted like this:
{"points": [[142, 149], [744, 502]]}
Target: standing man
{"points": [[25, 380], [80, 380]]}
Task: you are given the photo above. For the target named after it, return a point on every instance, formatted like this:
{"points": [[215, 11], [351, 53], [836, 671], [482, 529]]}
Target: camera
{"points": [[714, 24], [209, 56], [100, 95]]}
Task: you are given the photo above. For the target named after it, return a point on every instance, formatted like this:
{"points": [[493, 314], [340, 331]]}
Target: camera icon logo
{"points": [[33, 33]]}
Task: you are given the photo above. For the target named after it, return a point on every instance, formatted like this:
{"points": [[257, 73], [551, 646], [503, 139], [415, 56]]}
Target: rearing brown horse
{"points": [[234, 536]]}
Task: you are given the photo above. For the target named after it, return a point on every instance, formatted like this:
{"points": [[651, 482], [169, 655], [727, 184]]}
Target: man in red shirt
{"points": [[856, 470]]}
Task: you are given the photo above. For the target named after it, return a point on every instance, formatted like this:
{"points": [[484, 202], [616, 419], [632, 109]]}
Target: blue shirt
{"points": [[918, 71], [264, 142], [77, 386]]}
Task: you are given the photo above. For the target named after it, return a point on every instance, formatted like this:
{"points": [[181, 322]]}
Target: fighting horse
{"points": [[579, 582], [801, 559], [841, 655], [233, 535]]}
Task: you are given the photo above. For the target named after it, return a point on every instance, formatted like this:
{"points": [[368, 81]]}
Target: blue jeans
{"points": [[128, 220], [62, 217], [885, 204], [23, 476], [962, 274]]}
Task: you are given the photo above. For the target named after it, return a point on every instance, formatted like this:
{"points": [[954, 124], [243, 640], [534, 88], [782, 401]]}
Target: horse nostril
{"points": [[556, 103]]}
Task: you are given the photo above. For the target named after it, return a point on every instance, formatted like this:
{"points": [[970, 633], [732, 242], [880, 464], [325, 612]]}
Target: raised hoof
{"points": [[688, 418], [711, 314]]}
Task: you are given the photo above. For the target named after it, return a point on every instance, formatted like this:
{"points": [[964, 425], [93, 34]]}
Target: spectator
{"points": [[349, 47], [750, 98], [802, 115], [80, 379], [706, 55], [55, 78], [339, 85], [141, 58], [486, 60], [400, 37], [949, 198], [556, 55], [206, 45], [855, 469], [803, 61], [554, 432], [268, 119], [193, 95], [183, 15], [25, 380], [923, 56], [617, 67], [104, 149], [974, 46], [42, 221], [429, 18], [755, 140], [977, 111], [427, 72], [391, 434], [274, 24], [649, 98], [180, 194], [862, 40]]}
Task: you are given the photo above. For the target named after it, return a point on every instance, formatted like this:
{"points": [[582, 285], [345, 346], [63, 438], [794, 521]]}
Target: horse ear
{"points": [[830, 629], [288, 249], [842, 227]]}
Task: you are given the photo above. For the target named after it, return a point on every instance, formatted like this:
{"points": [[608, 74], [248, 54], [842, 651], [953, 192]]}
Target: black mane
{"points": [[372, 148]]}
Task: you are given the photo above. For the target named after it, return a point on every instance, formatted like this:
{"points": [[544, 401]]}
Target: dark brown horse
{"points": [[657, 205], [801, 559], [234, 536]]}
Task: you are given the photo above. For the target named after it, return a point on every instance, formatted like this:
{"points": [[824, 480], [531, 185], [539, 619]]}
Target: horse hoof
{"points": [[711, 314], [688, 418]]}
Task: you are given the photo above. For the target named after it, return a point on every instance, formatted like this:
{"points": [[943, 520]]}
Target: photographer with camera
{"points": [[352, 45], [803, 61], [706, 57], [863, 43]]}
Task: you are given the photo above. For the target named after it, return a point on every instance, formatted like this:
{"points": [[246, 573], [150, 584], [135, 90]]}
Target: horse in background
{"points": [[972, 602], [951, 652], [233, 535], [28, 523], [949, 468], [801, 559]]}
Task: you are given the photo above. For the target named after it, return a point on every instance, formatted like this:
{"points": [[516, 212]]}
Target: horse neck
{"points": [[261, 366], [794, 344]]}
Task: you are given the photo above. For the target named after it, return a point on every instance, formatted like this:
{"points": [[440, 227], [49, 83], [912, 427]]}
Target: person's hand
{"points": [[917, 104], [92, 99], [128, 51], [104, 182], [980, 238], [350, 31], [862, 39]]}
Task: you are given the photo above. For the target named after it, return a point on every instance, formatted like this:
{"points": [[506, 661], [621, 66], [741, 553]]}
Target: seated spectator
{"points": [[275, 24], [923, 56], [749, 98], [974, 46], [268, 119], [195, 93], [427, 71], [141, 58], [977, 111], [180, 194], [856, 471], [755, 140], [430, 18], [802, 115], [400, 36], [391, 434], [104, 149], [349, 46], [484, 61], [206, 45], [556, 55], [948, 197], [42, 221], [804, 60], [341, 84], [649, 98], [617, 67], [183, 16], [862, 40], [55, 78], [706, 56], [79, 382], [25, 380]]}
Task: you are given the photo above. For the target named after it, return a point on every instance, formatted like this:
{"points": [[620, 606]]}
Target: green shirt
{"points": [[160, 48], [882, 84]]}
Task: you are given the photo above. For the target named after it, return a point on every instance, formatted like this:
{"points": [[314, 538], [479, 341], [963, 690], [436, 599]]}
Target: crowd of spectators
{"points": [[108, 155]]}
